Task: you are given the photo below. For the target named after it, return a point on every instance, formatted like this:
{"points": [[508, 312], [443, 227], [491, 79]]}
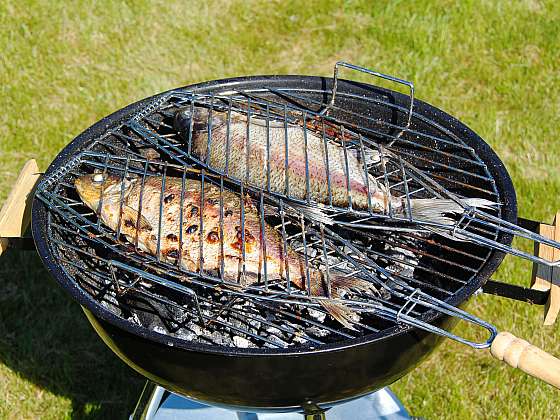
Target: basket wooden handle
{"points": [[530, 359]]}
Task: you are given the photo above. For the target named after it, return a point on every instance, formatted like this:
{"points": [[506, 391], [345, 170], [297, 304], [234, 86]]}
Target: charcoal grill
{"points": [[189, 333]]}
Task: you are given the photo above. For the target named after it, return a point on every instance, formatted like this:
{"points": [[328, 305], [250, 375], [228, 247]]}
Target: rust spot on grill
{"points": [[172, 237], [192, 229], [168, 199], [213, 237]]}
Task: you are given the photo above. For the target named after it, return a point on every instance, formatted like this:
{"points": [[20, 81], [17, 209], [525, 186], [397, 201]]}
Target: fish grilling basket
{"points": [[277, 241]]}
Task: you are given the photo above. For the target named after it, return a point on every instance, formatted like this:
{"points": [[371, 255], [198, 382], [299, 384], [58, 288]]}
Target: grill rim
{"points": [[495, 166]]}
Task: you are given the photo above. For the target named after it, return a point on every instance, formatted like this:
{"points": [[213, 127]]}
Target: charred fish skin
{"points": [[210, 238]]}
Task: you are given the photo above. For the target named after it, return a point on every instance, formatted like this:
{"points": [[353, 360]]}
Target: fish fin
{"points": [[436, 210], [339, 283], [371, 157], [341, 313], [343, 283], [313, 212], [131, 215]]}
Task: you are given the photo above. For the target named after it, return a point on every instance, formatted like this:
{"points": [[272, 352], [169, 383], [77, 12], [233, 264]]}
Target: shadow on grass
{"points": [[45, 338]]}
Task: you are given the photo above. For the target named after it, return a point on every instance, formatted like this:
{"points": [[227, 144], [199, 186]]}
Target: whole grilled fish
{"points": [[255, 151], [200, 243]]}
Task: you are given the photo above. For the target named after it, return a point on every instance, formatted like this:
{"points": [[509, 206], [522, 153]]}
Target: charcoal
{"points": [[276, 340], [317, 331], [241, 342], [316, 315]]}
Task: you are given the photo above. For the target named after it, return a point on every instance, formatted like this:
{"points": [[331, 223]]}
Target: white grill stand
{"points": [[156, 403]]}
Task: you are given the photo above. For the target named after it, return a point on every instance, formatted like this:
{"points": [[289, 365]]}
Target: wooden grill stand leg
{"points": [[15, 215], [548, 278]]}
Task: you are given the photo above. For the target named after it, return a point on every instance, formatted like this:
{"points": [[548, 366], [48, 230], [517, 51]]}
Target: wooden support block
{"points": [[4, 243], [543, 273], [15, 215], [548, 278]]}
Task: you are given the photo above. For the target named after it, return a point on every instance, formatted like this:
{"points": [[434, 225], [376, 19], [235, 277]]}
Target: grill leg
{"points": [[313, 412], [315, 416], [148, 403]]}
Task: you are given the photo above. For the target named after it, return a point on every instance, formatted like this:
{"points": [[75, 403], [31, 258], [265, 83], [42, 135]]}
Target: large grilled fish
{"points": [[228, 150], [142, 226]]}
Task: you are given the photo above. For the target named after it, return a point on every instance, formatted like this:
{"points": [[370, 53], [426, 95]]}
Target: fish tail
{"points": [[436, 210], [340, 283], [342, 313]]}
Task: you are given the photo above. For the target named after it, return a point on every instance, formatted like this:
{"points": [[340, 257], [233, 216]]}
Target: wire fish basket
{"points": [[110, 264], [342, 166], [283, 216]]}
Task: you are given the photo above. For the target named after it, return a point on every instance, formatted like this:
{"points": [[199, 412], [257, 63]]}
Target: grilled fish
{"points": [[202, 243], [254, 151]]}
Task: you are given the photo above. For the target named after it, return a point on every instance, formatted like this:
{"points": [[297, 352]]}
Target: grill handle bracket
{"points": [[410, 86], [15, 215], [512, 291], [546, 278]]}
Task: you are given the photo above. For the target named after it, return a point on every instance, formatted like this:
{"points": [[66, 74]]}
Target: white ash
{"points": [[241, 342], [299, 339], [195, 329], [159, 329], [273, 330], [317, 331], [317, 315], [278, 342], [134, 319]]}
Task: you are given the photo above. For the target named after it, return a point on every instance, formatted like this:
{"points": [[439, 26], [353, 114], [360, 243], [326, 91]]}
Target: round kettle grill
{"points": [[250, 351]]}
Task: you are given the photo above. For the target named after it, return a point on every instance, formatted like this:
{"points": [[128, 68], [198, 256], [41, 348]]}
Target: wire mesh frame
{"points": [[354, 258], [474, 224], [399, 178]]}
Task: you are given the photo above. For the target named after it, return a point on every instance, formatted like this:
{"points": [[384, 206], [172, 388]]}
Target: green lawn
{"points": [[494, 65]]}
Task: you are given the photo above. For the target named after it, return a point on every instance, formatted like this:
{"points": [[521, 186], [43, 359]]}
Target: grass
{"points": [[493, 64]]}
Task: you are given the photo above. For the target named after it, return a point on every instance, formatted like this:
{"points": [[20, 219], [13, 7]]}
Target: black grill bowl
{"points": [[276, 379]]}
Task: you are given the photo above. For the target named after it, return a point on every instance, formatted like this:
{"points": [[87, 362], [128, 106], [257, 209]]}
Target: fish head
{"points": [[196, 116], [102, 189]]}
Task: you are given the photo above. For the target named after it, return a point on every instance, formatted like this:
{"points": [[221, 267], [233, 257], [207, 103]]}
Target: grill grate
{"points": [[197, 306], [406, 155]]}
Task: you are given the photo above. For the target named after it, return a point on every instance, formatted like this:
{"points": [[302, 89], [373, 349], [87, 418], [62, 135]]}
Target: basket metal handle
{"points": [[410, 86]]}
